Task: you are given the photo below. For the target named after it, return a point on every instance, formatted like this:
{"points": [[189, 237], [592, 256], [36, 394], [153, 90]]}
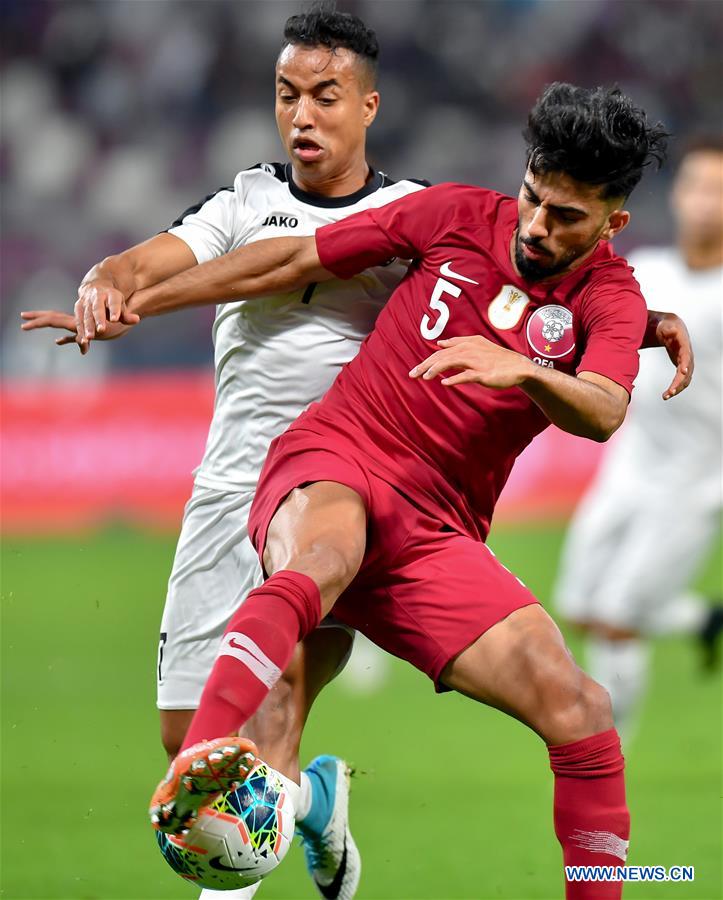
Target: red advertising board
{"points": [[75, 455]]}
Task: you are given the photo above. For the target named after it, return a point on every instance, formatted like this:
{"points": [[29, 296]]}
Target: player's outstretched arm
{"points": [[588, 405], [669, 331], [33, 319], [109, 284], [256, 270]]}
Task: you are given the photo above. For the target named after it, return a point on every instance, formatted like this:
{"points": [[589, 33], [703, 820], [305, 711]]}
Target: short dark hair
{"points": [[322, 25], [594, 135]]}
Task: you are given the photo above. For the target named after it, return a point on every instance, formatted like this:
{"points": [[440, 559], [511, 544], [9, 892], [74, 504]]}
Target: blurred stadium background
{"points": [[116, 116]]}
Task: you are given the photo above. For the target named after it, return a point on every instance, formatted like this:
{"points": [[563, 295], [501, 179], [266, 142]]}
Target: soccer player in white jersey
{"points": [[650, 517], [325, 101]]}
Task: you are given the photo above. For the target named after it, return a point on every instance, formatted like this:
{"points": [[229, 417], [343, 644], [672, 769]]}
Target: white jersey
{"points": [[275, 355], [643, 528], [686, 430]]}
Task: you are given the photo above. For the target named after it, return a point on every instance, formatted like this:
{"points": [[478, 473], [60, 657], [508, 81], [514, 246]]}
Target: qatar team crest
{"points": [[549, 331], [505, 311]]}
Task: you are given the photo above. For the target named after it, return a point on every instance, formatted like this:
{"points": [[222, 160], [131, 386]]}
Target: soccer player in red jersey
{"points": [[377, 501]]}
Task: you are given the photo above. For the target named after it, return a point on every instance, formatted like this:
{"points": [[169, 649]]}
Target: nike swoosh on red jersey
{"points": [[448, 273]]}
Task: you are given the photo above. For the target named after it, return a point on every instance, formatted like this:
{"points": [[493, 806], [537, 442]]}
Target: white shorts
{"points": [[214, 568], [634, 544]]}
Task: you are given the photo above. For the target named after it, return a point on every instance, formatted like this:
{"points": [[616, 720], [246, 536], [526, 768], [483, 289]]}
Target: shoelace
{"points": [[318, 852]]}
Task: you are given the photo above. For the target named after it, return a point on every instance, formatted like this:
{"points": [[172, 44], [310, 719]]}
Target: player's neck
{"points": [[702, 254], [338, 184]]}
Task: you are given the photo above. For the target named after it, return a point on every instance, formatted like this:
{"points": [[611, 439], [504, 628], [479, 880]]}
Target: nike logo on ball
{"points": [[216, 863]]}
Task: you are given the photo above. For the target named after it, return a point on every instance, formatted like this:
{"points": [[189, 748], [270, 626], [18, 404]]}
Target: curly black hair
{"points": [[322, 25], [595, 135]]}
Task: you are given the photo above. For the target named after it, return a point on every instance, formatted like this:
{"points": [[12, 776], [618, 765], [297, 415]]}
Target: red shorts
{"points": [[424, 592]]}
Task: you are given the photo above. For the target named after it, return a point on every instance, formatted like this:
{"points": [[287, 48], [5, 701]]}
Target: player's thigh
{"points": [[214, 568], [452, 609], [320, 530], [522, 667], [434, 597]]}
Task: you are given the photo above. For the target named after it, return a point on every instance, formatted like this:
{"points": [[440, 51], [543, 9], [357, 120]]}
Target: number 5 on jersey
{"points": [[432, 330]]}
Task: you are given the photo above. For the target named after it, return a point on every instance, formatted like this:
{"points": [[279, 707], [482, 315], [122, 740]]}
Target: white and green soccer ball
{"points": [[237, 840]]}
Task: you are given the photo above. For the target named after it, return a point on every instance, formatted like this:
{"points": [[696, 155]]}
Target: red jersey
{"points": [[451, 449]]}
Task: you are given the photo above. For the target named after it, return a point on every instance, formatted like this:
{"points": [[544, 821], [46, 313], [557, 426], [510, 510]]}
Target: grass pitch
{"points": [[451, 799]]}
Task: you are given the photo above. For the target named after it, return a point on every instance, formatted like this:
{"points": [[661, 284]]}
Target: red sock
{"points": [[592, 821], [255, 650]]}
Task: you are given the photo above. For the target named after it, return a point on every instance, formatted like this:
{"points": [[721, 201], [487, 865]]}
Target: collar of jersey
{"points": [[374, 182]]}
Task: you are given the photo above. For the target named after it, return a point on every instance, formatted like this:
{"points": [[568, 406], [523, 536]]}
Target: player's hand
{"points": [[480, 361], [98, 305], [672, 334], [53, 318]]}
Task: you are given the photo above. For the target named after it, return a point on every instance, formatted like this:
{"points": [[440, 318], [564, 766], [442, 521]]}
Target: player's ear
{"points": [[371, 107], [617, 220]]}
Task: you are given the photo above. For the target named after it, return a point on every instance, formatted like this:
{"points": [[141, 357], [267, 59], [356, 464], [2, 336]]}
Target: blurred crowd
{"points": [[119, 114]]}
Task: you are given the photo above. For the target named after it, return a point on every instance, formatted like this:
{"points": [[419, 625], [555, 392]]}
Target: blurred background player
{"points": [[644, 528]]}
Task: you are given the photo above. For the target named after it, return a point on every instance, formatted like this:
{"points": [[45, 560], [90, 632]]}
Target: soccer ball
{"points": [[238, 839]]}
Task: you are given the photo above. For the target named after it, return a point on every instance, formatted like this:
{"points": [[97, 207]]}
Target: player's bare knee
{"points": [[576, 709], [332, 565], [337, 563], [595, 709]]}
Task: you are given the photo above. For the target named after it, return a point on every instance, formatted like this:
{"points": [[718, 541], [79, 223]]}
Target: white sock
{"points": [[292, 789], [685, 614], [622, 668], [302, 810], [239, 894]]}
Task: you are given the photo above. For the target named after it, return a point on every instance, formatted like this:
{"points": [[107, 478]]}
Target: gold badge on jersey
{"points": [[505, 311]]}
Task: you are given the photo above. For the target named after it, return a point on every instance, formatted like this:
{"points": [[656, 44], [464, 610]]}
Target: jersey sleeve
{"points": [[614, 321], [403, 229], [218, 224]]}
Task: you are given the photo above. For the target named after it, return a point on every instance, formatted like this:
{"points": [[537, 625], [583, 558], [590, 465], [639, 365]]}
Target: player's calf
{"points": [[174, 725], [592, 822], [277, 725], [521, 665]]}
